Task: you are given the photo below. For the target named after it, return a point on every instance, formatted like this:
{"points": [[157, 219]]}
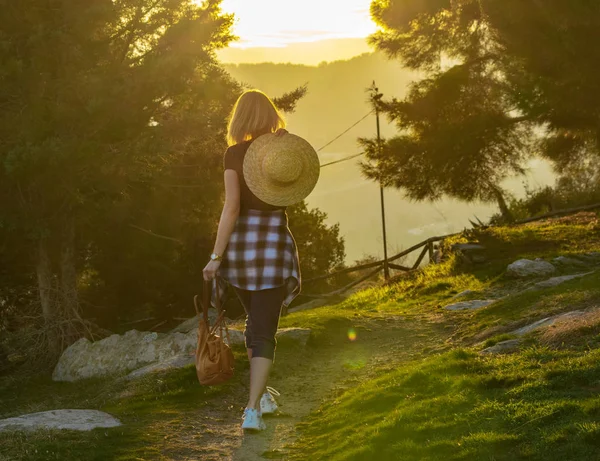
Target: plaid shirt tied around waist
{"points": [[261, 254]]}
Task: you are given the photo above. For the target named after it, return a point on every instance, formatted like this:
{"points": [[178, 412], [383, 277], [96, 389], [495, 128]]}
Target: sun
{"points": [[277, 23]]}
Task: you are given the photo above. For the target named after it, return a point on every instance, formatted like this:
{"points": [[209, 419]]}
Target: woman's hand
{"points": [[210, 271], [281, 132]]}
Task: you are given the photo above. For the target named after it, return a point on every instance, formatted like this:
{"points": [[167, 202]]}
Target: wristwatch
{"points": [[216, 257]]}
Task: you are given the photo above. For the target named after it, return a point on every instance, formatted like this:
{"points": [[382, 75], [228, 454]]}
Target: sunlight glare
{"points": [[277, 23]]}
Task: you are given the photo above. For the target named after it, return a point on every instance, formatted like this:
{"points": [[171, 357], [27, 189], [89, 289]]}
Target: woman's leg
{"points": [[265, 310]]}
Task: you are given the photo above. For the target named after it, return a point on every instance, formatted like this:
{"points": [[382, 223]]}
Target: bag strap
{"points": [[220, 322]]}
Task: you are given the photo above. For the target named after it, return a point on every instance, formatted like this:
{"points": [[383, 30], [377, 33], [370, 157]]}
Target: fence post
{"points": [[431, 253]]}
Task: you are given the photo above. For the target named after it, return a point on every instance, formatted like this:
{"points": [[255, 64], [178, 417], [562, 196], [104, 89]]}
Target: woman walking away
{"points": [[266, 170]]}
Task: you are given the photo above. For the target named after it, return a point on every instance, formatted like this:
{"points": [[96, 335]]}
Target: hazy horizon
{"points": [[336, 99], [305, 53]]}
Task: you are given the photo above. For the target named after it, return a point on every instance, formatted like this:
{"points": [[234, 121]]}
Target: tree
{"points": [[320, 247], [85, 86], [492, 71]]}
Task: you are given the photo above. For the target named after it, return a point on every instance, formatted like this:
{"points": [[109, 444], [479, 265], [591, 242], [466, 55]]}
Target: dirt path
{"points": [[305, 378]]}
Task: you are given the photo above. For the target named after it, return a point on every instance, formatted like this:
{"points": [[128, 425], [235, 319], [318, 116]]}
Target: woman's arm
{"points": [[231, 211]]}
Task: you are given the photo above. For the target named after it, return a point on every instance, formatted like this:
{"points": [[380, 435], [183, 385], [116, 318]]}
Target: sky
{"points": [[278, 23]]}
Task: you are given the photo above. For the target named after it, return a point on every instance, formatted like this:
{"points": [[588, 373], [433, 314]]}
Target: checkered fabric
{"points": [[261, 254]]}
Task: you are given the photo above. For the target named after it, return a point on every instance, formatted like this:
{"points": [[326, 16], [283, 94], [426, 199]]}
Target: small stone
{"points": [[504, 347], [462, 294], [566, 261], [468, 247], [299, 335], [592, 258], [528, 268], [309, 305], [549, 321], [471, 305], [555, 281], [78, 420]]}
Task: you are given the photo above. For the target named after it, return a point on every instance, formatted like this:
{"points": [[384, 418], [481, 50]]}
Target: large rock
{"points": [[171, 364], [78, 420], [527, 268], [143, 352], [471, 305], [121, 353], [192, 324]]}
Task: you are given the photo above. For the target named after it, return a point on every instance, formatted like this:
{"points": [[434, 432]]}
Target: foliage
{"points": [[320, 247], [492, 71], [570, 192]]}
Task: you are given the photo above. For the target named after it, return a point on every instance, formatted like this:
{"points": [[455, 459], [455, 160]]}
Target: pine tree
{"points": [[492, 72]]}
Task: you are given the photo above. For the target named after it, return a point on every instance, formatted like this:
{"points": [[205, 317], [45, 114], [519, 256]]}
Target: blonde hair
{"points": [[253, 115]]}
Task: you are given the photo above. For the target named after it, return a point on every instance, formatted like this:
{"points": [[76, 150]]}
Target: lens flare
{"points": [[352, 334]]}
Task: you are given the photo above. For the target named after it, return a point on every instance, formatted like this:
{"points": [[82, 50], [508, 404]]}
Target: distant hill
{"points": [[309, 53], [336, 99], [336, 94]]}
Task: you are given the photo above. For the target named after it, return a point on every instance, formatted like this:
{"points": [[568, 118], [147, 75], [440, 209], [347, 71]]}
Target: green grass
{"points": [[144, 406], [539, 404], [529, 306]]}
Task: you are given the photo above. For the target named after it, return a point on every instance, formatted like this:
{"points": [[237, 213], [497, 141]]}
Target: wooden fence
{"points": [[426, 248]]}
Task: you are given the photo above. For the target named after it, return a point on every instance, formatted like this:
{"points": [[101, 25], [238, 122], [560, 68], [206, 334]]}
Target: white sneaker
{"points": [[253, 420], [268, 405]]}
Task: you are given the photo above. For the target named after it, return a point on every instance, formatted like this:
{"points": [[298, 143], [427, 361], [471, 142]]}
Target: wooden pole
{"points": [[376, 96]]}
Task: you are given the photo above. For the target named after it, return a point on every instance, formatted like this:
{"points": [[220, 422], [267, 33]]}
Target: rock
{"points": [[309, 305], [121, 353], [171, 364], [468, 247], [543, 323], [299, 335], [191, 324], [470, 252], [592, 258], [79, 420], [528, 268], [504, 347], [462, 294], [555, 281], [142, 351], [237, 337], [566, 261], [464, 305]]}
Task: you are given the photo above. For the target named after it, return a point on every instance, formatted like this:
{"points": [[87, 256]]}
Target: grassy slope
{"points": [[538, 404], [541, 403]]}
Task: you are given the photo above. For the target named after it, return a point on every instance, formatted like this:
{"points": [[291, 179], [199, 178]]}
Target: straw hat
{"points": [[281, 170]]}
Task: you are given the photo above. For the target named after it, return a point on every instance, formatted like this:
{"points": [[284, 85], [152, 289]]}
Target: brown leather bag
{"points": [[214, 359]]}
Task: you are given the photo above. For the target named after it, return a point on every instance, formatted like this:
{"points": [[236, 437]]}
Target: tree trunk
{"points": [[506, 213], [68, 273], [44, 275]]}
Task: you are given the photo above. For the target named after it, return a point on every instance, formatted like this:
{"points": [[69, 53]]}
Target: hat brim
{"points": [[274, 193]]}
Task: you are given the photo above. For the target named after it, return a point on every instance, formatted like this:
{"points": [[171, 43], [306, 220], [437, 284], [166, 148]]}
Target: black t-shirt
{"points": [[234, 160]]}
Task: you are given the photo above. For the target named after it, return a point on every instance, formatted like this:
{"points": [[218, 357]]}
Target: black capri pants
{"points": [[263, 309]]}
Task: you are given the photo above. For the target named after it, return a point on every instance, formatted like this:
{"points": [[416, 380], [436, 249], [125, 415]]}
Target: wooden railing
{"points": [[427, 249]]}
